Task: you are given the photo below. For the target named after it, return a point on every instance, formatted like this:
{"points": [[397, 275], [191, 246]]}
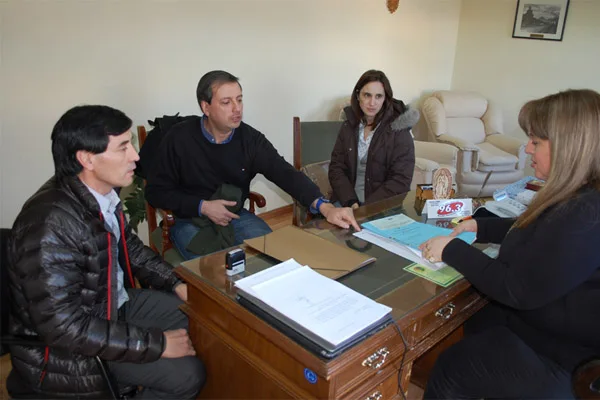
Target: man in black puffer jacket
{"points": [[72, 264]]}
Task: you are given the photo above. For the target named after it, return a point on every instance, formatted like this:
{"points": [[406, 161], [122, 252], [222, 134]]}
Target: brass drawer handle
{"points": [[375, 396], [377, 359], [446, 311]]}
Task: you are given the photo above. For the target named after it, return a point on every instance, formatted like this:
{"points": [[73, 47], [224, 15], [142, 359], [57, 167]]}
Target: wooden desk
{"points": [[247, 358]]}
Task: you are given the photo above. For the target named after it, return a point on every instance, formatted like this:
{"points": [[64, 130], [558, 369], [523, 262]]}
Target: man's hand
{"points": [[342, 217], [181, 291], [215, 210], [355, 206], [177, 344]]}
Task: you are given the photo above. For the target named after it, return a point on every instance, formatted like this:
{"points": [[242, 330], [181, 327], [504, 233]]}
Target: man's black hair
{"points": [[204, 91], [85, 128]]}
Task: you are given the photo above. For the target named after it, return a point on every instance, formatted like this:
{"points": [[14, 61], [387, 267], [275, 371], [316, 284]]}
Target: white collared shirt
{"points": [[108, 204], [363, 144]]}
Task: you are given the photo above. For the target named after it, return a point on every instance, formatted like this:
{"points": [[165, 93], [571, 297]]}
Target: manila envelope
{"points": [[328, 258]]}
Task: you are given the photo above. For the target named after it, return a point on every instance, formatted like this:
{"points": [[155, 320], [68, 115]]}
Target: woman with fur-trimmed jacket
{"points": [[374, 155]]}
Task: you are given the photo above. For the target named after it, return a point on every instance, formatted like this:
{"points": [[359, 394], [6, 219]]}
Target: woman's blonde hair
{"points": [[570, 120]]}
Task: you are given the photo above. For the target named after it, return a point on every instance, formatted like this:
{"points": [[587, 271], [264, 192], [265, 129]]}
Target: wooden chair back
{"points": [[168, 217]]}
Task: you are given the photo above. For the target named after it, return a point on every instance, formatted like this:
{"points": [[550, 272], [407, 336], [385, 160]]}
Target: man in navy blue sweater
{"points": [[200, 154]]}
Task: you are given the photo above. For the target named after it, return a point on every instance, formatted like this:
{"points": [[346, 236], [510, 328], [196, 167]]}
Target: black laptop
{"points": [[310, 342]]}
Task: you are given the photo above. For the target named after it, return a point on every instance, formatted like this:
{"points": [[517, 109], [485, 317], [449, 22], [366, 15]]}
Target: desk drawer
{"points": [[450, 309], [378, 389], [382, 352]]}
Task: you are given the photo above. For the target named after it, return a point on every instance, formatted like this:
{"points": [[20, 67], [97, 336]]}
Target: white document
{"points": [[319, 304], [397, 248], [265, 275]]}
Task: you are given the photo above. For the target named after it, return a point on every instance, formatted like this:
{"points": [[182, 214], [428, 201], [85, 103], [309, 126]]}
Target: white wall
{"points": [[294, 57], [512, 71]]}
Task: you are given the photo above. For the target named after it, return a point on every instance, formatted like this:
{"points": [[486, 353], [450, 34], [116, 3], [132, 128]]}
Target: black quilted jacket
{"points": [[63, 281]]}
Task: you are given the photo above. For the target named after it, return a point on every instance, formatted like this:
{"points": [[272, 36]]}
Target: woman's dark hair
{"points": [[371, 75], [204, 91], [84, 128]]}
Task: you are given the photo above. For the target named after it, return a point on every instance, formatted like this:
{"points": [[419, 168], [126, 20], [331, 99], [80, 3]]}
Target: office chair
{"points": [[313, 142], [15, 385]]}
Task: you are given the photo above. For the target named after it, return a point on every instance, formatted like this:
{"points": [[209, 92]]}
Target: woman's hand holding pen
{"points": [[433, 248], [467, 225]]}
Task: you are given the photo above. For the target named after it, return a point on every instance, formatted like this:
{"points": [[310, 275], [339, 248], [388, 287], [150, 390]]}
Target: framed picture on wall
{"points": [[540, 19]]}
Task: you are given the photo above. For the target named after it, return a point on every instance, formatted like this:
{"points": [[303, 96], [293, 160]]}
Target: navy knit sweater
{"points": [[548, 274], [190, 168]]}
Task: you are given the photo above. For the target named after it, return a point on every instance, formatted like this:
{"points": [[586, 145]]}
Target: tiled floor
{"points": [[275, 221]]}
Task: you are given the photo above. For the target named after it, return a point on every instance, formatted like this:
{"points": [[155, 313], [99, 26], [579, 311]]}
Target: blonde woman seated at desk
{"points": [[544, 288], [374, 155]]}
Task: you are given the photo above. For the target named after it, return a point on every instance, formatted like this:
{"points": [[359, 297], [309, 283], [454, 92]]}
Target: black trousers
{"points": [[166, 378], [491, 362]]}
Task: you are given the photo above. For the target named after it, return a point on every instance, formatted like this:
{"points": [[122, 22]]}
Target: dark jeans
{"points": [[491, 362], [248, 226], [166, 378]]}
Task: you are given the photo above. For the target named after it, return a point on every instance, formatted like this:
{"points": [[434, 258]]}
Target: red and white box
{"points": [[449, 208]]}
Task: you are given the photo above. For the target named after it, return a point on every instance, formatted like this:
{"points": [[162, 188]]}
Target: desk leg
{"points": [[405, 377]]}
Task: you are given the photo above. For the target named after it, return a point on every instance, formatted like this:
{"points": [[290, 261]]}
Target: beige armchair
{"points": [[487, 159]]}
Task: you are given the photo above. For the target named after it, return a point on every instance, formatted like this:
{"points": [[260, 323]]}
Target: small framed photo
{"points": [[540, 19]]}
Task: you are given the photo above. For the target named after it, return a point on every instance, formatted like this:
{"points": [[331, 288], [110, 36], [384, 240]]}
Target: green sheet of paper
{"points": [[444, 276]]}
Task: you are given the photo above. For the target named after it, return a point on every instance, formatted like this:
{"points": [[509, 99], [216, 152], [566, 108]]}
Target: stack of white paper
{"points": [[312, 303], [392, 246]]}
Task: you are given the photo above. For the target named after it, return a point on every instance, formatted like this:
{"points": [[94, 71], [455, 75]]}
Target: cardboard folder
{"points": [[328, 258]]}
